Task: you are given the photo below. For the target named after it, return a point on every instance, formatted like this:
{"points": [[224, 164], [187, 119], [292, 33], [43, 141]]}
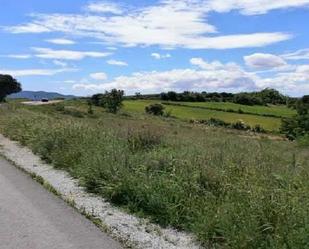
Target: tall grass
{"points": [[232, 192]]}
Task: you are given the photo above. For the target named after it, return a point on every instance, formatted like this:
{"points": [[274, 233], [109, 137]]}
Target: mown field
{"points": [[229, 189], [187, 113]]}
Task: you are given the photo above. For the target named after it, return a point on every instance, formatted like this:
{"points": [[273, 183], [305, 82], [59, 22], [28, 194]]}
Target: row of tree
{"points": [[264, 97]]}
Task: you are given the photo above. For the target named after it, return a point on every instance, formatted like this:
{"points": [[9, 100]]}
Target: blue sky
{"points": [[84, 47]]}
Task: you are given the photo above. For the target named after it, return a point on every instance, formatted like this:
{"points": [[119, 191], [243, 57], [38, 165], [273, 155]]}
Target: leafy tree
{"points": [[96, 99], [155, 109], [112, 100], [246, 99], [297, 126], [272, 96], [8, 85]]}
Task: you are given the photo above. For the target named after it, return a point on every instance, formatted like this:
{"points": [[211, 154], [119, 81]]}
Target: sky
{"points": [[84, 47]]}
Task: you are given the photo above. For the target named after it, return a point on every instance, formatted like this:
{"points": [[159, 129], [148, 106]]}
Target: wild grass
{"points": [[231, 191]]}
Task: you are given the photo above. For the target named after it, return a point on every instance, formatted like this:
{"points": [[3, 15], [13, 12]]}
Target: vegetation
{"points": [[231, 190], [8, 85], [190, 112], [155, 109], [264, 97], [277, 111], [298, 126], [111, 101]]}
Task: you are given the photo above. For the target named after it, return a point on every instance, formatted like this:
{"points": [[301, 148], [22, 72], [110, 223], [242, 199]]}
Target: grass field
{"points": [[230, 190], [279, 111], [187, 113]]}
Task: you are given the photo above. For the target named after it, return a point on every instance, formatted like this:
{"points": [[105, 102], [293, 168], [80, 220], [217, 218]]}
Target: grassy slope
{"points": [[186, 113], [231, 191]]}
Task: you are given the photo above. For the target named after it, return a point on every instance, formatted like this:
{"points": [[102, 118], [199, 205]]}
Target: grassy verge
{"points": [[231, 191]]}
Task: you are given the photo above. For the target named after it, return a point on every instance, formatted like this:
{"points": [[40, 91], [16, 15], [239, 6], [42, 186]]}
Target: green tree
{"points": [[8, 85], [112, 100], [297, 126]]}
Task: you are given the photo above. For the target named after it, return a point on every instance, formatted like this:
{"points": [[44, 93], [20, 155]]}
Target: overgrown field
{"points": [[189, 111], [231, 190]]}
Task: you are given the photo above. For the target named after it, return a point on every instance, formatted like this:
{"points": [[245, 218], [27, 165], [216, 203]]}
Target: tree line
{"points": [[264, 97]]}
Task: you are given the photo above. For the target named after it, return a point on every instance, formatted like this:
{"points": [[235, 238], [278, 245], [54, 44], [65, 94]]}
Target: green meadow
{"points": [[189, 112]]}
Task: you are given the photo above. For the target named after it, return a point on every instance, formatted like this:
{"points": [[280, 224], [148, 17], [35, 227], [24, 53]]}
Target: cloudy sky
{"points": [[83, 47]]}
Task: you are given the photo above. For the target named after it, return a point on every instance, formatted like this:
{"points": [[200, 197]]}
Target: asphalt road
{"points": [[33, 218]]}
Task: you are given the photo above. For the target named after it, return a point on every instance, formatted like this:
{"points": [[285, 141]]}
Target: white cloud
{"points": [[98, 76], [61, 41], [208, 76], [158, 56], [60, 63], [302, 54], [253, 7], [20, 56], [47, 53], [264, 61], [104, 7], [117, 63], [169, 24], [35, 72], [225, 77]]}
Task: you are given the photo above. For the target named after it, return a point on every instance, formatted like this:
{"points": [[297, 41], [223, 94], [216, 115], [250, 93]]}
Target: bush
{"points": [[155, 109], [240, 125]]}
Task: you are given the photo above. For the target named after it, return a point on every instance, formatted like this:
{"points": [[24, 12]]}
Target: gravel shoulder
{"points": [[132, 231]]}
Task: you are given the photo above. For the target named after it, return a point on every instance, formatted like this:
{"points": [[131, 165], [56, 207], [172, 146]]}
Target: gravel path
{"points": [[31, 217]]}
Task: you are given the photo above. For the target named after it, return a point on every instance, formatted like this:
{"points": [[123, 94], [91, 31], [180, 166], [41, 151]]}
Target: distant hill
{"points": [[39, 95]]}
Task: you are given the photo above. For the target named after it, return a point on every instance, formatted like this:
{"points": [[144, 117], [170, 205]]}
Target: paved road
{"points": [[33, 218]]}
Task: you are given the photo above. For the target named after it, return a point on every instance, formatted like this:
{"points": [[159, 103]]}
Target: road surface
{"points": [[50, 102], [33, 218]]}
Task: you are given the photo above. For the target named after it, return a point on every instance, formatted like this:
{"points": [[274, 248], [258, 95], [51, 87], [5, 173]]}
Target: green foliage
{"points": [[155, 109], [247, 99], [297, 126], [264, 97], [8, 85], [112, 100]]}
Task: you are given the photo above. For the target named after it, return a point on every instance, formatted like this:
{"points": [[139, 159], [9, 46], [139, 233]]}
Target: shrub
{"points": [[155, 109], [258, 129], [240, 125]]}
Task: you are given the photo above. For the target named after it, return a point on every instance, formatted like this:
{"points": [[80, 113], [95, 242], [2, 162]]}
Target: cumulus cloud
{"points": [[117, 63], [61, 41], [225, 77], [158, 56], [207, 76], [48, 53], [98, 76], [264, 61], [169, 23]]}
